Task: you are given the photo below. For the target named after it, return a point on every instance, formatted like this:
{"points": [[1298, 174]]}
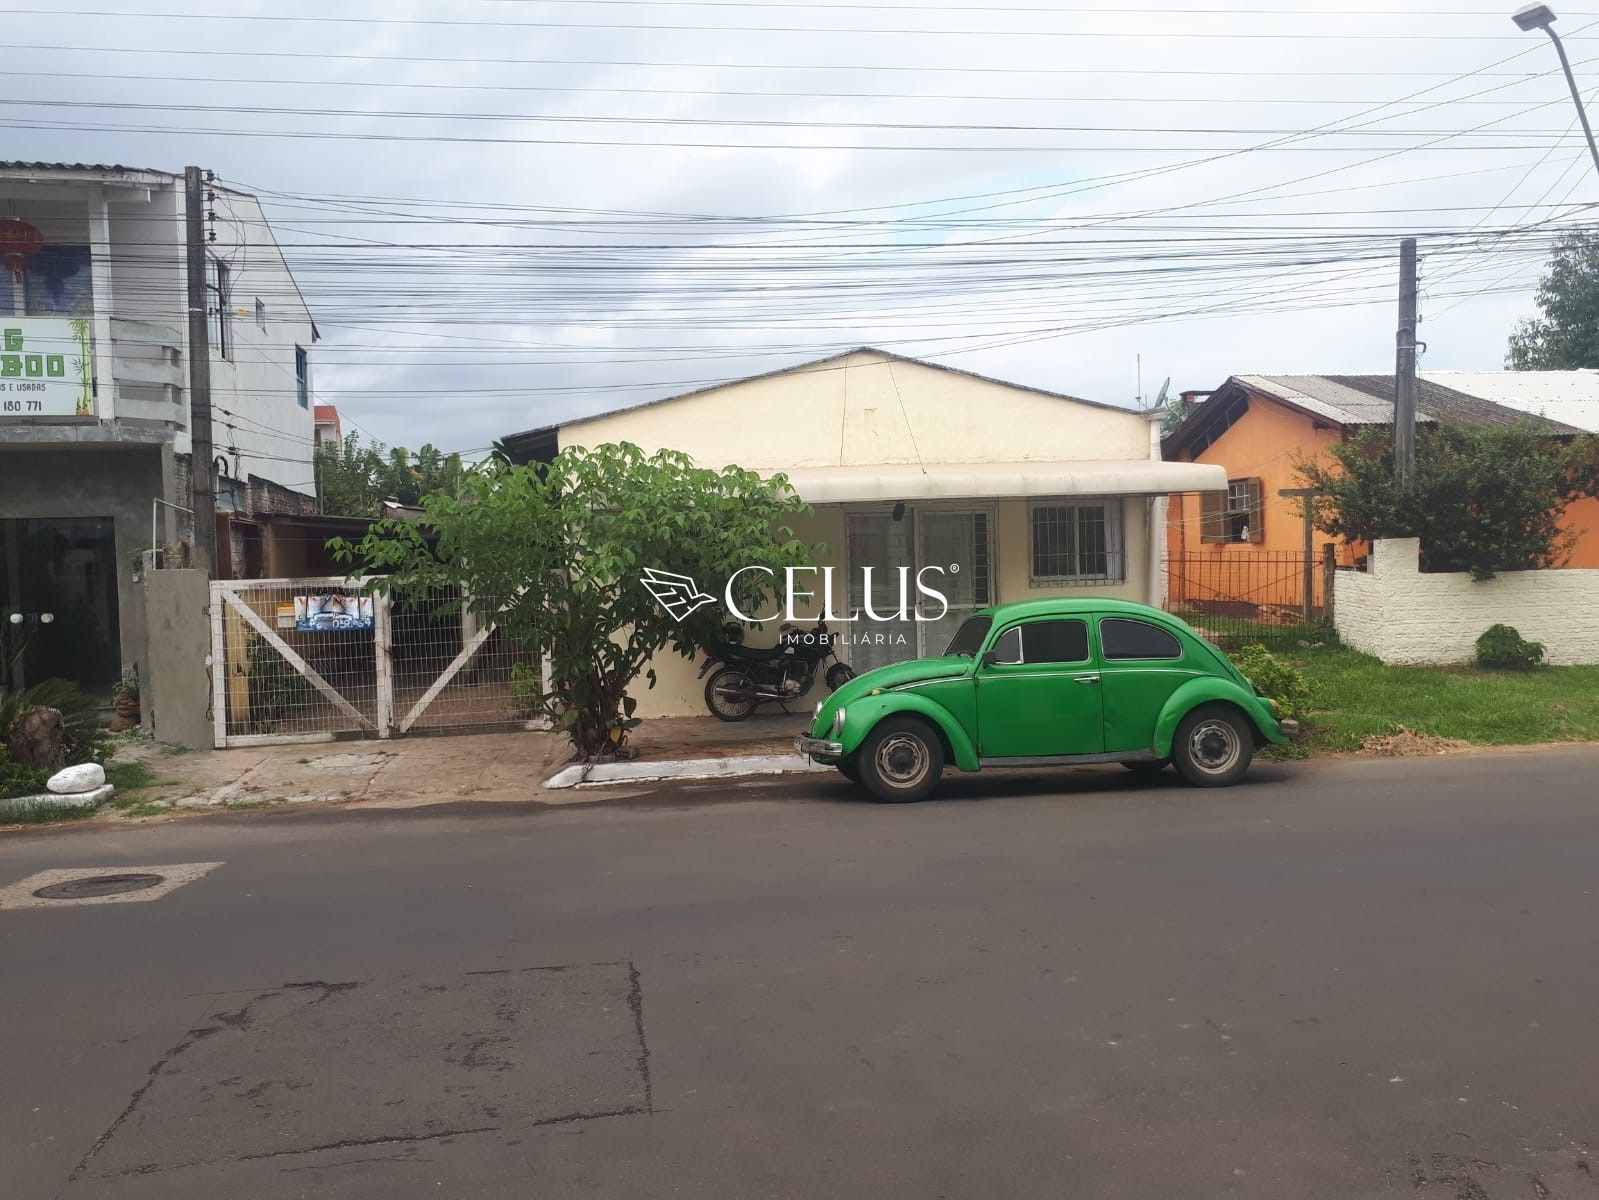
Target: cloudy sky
{"points": [[508, 212]]}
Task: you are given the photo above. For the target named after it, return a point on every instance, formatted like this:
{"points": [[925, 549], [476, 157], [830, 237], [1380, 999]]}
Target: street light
{"points": [[1541, 16]]}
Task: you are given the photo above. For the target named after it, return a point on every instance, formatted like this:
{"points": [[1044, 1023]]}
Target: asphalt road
{"points": [[1338, 980]]}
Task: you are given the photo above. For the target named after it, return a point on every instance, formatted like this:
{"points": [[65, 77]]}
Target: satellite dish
{"points": [[1160, 399]]}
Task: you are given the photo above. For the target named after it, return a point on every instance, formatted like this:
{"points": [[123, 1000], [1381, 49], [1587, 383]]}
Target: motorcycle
{"points": [[748, 676]]}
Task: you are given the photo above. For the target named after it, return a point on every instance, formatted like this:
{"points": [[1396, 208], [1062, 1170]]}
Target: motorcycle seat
{"points": [[759, 653]]}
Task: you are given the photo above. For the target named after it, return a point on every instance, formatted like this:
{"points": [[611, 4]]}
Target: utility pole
{"points": [[1405, 368], [201, 489]]}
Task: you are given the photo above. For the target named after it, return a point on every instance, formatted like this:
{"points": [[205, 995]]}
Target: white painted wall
{"points": [[255, 409], [1404, 617], [867, 409]]}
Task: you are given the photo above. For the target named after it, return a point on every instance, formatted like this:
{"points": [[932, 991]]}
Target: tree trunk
{"points": [[36, 740]]}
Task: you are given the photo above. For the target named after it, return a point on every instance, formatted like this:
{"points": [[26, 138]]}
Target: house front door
{"points": [[58, 602], [956, 542]]}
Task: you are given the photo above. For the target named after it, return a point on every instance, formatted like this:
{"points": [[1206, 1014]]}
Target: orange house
{"points": [[1247, 548]]}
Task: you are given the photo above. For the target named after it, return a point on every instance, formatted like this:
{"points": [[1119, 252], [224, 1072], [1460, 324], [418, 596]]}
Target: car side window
{"points": [[1008, 649], [1055, 642], [1122, 638]]}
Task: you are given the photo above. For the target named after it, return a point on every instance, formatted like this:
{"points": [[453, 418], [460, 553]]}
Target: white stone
{"points": [[74, 781]]}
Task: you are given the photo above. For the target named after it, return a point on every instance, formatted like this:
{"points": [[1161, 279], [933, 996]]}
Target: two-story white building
{"points": [[94, 396]]}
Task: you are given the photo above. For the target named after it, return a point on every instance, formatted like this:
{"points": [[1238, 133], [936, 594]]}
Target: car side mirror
{"points": [[989, 659]]}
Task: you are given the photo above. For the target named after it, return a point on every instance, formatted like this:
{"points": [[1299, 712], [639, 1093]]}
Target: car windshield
{"points": [[969, 637]]}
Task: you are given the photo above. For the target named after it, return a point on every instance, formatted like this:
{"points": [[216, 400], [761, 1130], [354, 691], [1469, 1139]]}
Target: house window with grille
{"points": [[1238, 516], [1077, 542]]}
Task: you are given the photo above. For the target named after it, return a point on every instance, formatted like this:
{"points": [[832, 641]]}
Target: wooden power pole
{"points": [[1405, 368], [201, 489]]}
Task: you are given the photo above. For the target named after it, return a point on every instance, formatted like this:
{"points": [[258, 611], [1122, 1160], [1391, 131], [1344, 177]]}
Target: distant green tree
{"points": [[1485, 498], [354, 479], [1566, 336]]}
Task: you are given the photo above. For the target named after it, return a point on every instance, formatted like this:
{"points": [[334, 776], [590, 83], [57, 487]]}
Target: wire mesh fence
{"points": [[316, 658], [1237, 596], [454, 668]]}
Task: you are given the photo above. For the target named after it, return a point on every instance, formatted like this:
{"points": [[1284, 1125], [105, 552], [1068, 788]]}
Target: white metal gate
{"points": [[299, 660]]}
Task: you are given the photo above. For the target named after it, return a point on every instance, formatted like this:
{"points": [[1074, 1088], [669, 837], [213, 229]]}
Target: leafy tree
{"points": [[1566, 336], [553, 553], [354, 479], [1484, 499]]}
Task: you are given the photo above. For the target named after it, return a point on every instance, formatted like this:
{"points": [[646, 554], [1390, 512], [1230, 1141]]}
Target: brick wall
{"points": [[1402, 616], [268, 498]]}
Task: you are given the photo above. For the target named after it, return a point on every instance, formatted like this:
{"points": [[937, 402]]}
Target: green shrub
{"points": [[85, 740], [1276, 679], [1501, 648], [17, 780]]}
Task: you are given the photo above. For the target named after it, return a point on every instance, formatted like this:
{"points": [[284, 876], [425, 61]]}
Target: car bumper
{"points": [[820, 750], [1290, 727]]}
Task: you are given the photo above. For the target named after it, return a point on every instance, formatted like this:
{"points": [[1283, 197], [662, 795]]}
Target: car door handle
{"points": [[1086, 679]]}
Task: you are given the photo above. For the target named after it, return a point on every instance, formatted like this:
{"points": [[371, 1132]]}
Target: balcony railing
{"points": [[147, 365]]}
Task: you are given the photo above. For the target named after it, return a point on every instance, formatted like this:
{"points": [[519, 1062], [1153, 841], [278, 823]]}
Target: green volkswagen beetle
{"points": [[1044, 682]]}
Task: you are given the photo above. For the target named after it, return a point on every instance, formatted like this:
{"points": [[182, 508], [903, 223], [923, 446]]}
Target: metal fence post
{"points": [[383, 662], [1329, 578]]}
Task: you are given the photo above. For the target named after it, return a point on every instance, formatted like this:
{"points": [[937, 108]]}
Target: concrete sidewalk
{"points": [[415, 771]]}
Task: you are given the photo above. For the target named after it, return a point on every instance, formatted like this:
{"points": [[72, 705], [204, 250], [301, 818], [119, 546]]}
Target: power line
{"points": [[630, 27]]}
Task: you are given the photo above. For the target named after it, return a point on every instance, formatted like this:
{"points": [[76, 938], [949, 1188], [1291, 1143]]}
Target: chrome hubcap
{"points": [[902, 760], [1214, 746]]}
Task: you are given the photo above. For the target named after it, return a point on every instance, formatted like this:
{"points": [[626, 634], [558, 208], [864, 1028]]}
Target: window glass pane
{"points": [[1122, 638], [969, 637], [1056, 641], [1054, 541], [957, 540], [1009, 647], [1092, 556], [57, 283]]}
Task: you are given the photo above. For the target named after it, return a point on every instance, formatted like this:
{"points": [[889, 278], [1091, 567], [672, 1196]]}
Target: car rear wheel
{"points": [[901, 760], [1213, 746]]}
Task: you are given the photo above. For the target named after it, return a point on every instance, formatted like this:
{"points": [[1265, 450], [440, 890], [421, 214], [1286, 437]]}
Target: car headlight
{"points": [[818, 710], [838, 721]]}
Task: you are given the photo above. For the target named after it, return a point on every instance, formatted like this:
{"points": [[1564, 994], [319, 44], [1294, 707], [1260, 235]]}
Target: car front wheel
{"points": [[901, 760], [1213, 746]]}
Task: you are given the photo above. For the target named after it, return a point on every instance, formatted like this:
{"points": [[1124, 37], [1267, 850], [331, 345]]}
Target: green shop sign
{"points": [[46, 368]]}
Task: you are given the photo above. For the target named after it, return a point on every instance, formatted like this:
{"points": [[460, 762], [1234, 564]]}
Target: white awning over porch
{"points": [[953, 481]]}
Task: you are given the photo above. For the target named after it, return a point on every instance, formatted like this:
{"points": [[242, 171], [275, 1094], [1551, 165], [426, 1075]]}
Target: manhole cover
{"points": [[98, 885]]}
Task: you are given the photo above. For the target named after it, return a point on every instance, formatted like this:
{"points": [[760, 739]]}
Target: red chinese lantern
{"points": [[18, 242]]}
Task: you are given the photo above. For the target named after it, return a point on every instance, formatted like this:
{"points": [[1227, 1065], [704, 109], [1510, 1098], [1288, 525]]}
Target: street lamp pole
{"points": [[1541, 16]]}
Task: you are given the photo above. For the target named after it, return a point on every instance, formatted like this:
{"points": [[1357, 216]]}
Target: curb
{"points": [[19, 806], [684, 768]]}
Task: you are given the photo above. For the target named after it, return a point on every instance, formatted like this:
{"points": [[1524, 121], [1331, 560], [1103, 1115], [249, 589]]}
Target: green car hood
{"points": [[918, 670]]}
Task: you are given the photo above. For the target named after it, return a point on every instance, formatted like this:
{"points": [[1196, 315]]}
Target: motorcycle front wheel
{"points": [[838, 675], [730, 694]]}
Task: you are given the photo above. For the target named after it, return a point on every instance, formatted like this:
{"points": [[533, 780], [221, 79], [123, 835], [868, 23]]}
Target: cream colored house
{"points": [[1013, 492]]}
